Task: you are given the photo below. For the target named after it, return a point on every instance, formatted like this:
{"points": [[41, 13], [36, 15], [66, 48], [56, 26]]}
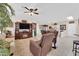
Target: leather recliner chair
{"points": [[42, 47]]}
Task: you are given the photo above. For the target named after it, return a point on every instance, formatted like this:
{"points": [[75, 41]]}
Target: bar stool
{"points": [[75, 46]]}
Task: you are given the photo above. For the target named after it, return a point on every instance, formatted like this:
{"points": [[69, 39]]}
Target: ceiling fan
{"points": [[31, 11]]}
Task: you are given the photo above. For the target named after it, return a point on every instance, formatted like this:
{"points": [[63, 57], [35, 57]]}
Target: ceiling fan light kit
{"points": [[31, 11]]}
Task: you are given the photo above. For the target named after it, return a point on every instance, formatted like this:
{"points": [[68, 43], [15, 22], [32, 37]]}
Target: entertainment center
{"points": [[23, 29]]}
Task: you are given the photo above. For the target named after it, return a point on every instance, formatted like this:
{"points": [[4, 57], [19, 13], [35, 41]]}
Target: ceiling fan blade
{"points": [[36, 9], [26, 8], [36, 13]]}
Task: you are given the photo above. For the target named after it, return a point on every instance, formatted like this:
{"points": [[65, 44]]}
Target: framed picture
{"points": [[62, 27]]}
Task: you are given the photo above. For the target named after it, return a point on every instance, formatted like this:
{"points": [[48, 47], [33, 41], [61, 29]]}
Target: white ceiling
{"points": [[47, 11]]}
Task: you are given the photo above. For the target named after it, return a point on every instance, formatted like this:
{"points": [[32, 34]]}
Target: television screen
{"points": [[24, 26]]}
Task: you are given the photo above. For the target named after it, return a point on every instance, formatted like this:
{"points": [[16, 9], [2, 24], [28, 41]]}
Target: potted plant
{"points": [[4, 48], [6, 11]]}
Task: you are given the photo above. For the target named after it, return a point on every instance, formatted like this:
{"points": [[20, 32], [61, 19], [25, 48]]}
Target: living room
{"points": [[29, 23]]}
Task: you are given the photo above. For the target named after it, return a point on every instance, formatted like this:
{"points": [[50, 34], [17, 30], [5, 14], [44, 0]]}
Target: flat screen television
{"points": [[24, 26]]}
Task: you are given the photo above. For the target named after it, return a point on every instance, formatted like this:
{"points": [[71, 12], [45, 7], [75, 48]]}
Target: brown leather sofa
{"points": [[42, 47]]}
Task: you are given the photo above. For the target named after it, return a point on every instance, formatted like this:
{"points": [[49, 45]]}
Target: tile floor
{"points": [[64, 47]]}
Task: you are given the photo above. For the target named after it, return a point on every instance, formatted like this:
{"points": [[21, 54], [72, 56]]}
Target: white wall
{"points": [[71, 29]]}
